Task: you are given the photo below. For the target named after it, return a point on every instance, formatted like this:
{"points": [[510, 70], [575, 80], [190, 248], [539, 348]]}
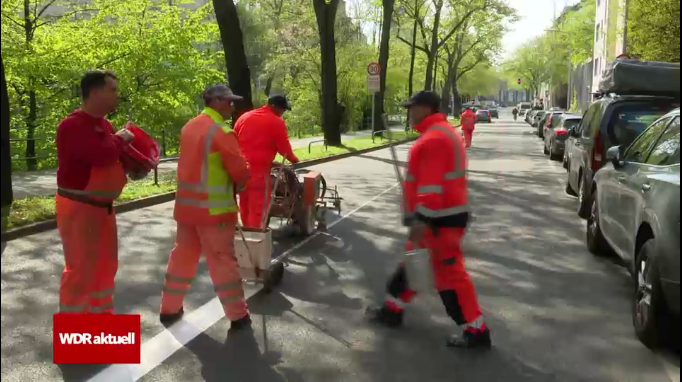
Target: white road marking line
{"points": [[162, 346]]}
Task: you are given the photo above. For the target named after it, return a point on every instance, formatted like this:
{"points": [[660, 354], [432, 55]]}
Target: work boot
{"points": [[472, 339], [385, 316], [168, 319], [242, 323]]}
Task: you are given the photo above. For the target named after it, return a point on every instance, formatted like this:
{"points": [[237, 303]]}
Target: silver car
{"points": [[636, 214]]}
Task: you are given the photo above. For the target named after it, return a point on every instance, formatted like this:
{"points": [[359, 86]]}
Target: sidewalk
{"points": [[43, 183]]}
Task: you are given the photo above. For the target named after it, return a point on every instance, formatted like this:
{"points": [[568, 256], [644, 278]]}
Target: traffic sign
{"points": [[519, 81], [373, 83], [374, 69]]}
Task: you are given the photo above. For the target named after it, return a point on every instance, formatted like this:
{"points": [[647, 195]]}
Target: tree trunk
{"points": [[325, 13], [31, 122], [268, 85], [448, 85], [383, 63], [6, 159], [413, 54], [428, 82], [238, 72]]}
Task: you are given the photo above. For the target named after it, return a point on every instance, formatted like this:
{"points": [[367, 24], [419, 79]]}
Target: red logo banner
{"points": [[96, 338]]}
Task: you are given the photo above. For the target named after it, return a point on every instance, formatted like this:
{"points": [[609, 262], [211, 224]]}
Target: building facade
{"points": [[609, 36]]}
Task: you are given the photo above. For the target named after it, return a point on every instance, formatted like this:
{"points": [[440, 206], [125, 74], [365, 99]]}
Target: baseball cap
{"points": [[220, 91], [423, 98], [280, 101]]}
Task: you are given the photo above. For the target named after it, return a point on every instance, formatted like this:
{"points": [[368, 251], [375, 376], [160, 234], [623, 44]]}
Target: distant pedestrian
{"points": [[468, 123]]}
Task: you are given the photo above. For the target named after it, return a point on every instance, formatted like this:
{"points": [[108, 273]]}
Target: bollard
{"points": [[156, 175]]}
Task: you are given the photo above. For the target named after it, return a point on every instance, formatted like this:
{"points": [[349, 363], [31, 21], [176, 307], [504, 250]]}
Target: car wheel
{"points": [[565, 162], [648, 307], [569, 189], [596, 242], [544, 149], [583, 208], [552, 152]]}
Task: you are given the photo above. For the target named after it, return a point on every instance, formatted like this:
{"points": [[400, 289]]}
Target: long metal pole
{"points": [[373, 101], [570, 75]]}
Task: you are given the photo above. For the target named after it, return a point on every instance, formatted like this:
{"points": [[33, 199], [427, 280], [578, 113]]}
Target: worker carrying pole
{"points": [[468, 123], [262, 134], [436, 211], [211, 169], [90, 177]]}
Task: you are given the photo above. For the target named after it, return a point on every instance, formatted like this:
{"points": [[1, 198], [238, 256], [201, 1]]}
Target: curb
{"points": [[40, 227]]}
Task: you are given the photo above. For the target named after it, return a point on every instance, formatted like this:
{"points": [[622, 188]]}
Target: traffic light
{"points": [[519, 81]]}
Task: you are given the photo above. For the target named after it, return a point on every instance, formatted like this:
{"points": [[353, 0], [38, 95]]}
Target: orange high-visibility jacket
{"points": [[468, 120], [435, 185], [262, 134], [210, 166]]}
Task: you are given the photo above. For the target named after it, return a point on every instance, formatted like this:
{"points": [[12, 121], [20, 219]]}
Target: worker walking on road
{"points": [[468, 123], [262, 134], [515, 113], [90, 177], [436, 211], [210, 169]]}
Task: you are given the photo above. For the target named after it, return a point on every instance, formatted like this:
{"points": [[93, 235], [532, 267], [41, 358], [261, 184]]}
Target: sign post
{"points": [[373, 86]]}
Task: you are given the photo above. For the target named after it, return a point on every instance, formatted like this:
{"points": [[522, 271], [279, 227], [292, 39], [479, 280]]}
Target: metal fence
{"points": [[161, 138]]}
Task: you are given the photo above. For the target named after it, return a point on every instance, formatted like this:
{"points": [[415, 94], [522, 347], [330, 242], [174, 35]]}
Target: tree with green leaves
{"points": [[5, 159], [325, 13], [238, 71], [654, 30]]}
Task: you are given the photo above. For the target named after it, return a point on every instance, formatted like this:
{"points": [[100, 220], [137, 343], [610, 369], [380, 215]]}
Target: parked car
{"points": [[494, 113], [529, 116], [557, 134], [524, 107], [610, 121], [547, 119], [483, 116], [539, 115], [635, 212]]}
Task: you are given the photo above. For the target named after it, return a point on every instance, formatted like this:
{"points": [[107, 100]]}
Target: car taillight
{"points": [[488, 115], [597, 153], [561, 132]]}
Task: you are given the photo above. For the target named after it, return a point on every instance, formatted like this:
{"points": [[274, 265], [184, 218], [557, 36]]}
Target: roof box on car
{"points": [[634, 77]]}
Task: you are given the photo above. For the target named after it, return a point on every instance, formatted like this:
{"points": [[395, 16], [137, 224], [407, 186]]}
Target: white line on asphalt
{"points": [[162, 346]]}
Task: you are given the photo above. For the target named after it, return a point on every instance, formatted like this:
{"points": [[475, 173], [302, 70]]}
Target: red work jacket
{"points": [[435, 185], [262, 135], [468, 120]]}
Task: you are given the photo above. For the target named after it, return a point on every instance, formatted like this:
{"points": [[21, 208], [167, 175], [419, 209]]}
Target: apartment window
{"points": [[596, 67], [598, 32]]}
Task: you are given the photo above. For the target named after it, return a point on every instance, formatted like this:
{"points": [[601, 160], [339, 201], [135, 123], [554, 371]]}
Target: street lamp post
{"points": [[570, 66]]}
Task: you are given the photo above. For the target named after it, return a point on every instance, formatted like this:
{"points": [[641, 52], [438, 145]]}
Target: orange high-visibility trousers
{"points": [[90, 243], [217, 244], [468, 137], [254, 200]]}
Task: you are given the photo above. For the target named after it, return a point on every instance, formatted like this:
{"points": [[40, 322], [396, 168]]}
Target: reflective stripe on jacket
{"points": [[435, 184], [209, 166]]}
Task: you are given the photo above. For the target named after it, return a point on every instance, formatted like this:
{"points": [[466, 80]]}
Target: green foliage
{"points": [[654, 30], [161, 53]]}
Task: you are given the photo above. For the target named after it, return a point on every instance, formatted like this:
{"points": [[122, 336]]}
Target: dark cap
{"points": [[424, 98], [279, 101], [220, 91]]}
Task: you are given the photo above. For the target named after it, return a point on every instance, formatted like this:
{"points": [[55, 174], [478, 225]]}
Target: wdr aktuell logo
{"points": [[96, 338]]}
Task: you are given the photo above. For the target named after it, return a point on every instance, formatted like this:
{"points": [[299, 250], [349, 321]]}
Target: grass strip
{"points": [[41, 208]]}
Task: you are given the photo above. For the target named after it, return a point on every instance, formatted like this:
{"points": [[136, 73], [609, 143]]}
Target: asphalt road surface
{"points": [[557, 313]]}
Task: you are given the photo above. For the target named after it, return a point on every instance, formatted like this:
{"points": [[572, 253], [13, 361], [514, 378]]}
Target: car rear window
{"points": [[525, 106], [629, 121], [571, 123]]}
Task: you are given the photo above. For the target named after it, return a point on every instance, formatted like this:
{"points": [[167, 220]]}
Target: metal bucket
{"points": [[254, 253], [419, 270]]}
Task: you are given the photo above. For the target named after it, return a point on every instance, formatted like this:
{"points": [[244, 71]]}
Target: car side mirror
{"points": [[614, 154]]}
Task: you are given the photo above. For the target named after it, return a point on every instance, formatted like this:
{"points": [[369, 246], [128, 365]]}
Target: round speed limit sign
{"points": [[373, 69]]}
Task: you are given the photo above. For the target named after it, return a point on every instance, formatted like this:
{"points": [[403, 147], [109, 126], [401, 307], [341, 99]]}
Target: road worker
{"points": [[437, 213], [90, 177], [468, 124], [210, 169], [262, 135]]}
